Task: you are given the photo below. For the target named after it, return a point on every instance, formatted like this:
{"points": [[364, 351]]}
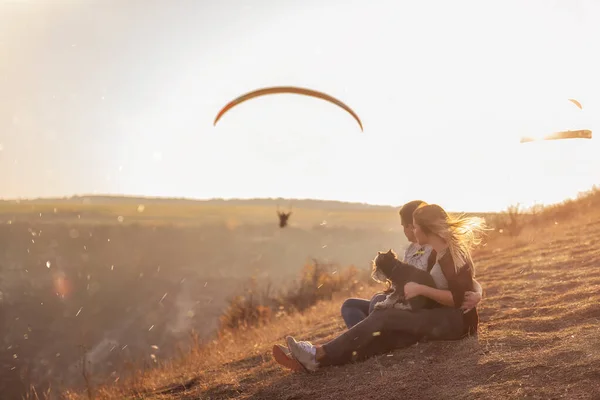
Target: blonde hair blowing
{"points": [[461, 233]]}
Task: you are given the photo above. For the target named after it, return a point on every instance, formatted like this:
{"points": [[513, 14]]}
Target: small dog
{"points": [[387, 267]]}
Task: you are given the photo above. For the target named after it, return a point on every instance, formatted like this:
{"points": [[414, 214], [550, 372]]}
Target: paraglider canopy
{"points": [[557, 121], [286, 89], [578, 104], [578, 134]]}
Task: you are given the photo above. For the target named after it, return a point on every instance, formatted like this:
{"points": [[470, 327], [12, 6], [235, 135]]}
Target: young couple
{"points": [[441, 245]]}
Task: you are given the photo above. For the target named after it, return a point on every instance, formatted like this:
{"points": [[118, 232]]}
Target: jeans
{"points": [[355, 310], [391, 328]]}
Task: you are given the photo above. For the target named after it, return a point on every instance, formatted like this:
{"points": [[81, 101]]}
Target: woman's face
{"points": [[420, 236]]}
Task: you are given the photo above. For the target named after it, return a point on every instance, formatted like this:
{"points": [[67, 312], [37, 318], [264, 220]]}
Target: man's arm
{"points": [[472, 299]]}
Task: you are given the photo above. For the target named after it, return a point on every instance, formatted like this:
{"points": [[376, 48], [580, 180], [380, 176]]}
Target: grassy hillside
{"points": [[76, 280], [539, 337]]}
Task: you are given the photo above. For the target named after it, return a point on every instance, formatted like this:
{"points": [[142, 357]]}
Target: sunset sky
{"points": [[118, 97]]}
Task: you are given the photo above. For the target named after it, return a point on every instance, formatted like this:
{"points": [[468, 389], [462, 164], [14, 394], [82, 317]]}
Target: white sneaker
{"points": [[304, 352]]}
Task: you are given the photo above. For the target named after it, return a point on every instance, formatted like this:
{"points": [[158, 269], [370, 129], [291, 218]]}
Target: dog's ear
{"points": [[390, 252], [379, 253]]}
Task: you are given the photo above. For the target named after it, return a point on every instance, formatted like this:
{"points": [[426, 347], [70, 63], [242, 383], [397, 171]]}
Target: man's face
{"points": [[409, 232]]}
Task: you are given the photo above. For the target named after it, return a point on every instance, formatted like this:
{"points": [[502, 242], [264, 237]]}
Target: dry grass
{"points": [[259, 304], [539, 336]]}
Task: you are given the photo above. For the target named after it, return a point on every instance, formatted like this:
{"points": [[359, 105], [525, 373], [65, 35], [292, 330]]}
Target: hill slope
{"points": [[539, 338]]}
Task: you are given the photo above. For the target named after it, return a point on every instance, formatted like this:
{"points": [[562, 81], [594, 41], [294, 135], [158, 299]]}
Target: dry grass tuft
{"points": [[258, 305]]}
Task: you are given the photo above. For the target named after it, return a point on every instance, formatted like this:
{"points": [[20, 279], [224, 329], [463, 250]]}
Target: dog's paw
{"points": [[380, 305], [403, 306]]}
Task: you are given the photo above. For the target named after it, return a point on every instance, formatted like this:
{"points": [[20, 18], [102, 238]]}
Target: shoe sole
{"points": [[287, 361]]}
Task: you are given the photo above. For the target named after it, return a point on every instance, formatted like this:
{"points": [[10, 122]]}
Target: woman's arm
{"points": [[460, 280], [457, 285], [443, 297]]}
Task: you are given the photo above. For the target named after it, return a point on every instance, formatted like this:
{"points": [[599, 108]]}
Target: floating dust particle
{"points": [[162, 298], [150, 328], [354, 353], [48, 264], [376, 333], [155, 347], [78, 312], [120, 218], [320, 286], [141, 208]]}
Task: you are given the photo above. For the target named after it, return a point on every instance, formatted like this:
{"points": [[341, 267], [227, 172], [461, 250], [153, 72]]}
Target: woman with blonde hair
{"points": [[452, 240]]}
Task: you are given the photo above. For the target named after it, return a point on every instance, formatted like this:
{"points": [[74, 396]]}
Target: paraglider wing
{"points": [[579, 134], [286, 89], [578, 104]]}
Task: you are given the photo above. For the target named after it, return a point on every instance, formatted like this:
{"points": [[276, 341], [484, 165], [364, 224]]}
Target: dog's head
{"points": [[383, 265]]}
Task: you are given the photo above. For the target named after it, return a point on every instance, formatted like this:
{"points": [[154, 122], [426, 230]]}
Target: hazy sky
{"points": [[119, 97]]}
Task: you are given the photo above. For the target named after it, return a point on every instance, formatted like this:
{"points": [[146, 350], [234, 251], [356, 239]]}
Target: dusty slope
{"points": [[539, 338]]}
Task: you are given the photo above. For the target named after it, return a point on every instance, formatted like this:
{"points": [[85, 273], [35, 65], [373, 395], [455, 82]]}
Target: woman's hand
{"points": [[412, 289], [471, 300]]}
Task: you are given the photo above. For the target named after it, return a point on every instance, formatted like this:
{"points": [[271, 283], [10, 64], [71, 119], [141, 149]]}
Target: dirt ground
{"points": [[539, 339]]}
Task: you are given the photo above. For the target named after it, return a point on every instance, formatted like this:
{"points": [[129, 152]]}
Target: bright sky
{"points": [[119, 97]]}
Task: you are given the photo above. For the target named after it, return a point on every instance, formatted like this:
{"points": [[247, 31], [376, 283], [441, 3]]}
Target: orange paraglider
{"points": [[286, 89], [578, 104], [579, 134]]}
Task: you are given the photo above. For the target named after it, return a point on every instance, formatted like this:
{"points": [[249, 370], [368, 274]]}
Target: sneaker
{"points": [[304, 352], [283, 357]]}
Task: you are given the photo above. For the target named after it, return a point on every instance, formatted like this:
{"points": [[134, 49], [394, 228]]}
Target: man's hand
{"points": [[471, 300], [412, 289]]}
